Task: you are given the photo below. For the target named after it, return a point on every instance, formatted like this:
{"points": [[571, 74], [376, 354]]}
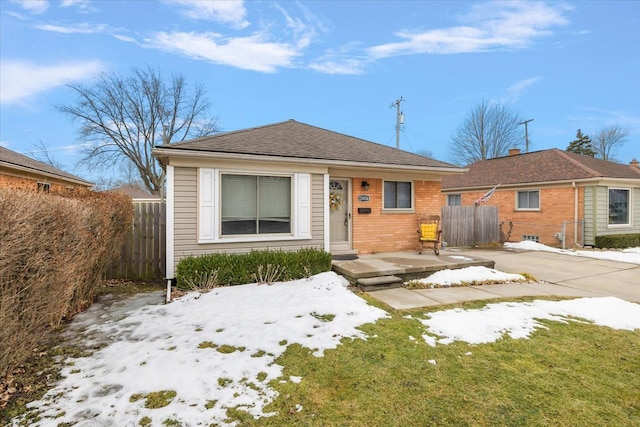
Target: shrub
{"points": [[618, 241], [238, 269], [53, 252]]}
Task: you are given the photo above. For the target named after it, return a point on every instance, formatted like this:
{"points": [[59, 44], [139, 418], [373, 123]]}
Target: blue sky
{"points": [[333, 64]]}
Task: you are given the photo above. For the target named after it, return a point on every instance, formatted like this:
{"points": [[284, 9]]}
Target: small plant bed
{"points": [[468, 276]]}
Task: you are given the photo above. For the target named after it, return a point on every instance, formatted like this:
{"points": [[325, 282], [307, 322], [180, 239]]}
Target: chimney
{"points": [[514, 151], [635, 163]]}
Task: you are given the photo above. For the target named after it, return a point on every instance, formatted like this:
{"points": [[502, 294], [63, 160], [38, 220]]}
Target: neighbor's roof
{"points": [[295, 140], [538, 167], [20, 162]]}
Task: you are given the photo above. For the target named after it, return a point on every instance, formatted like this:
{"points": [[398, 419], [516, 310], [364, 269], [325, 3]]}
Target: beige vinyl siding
{"points": [[596, 199], [186, 230]]}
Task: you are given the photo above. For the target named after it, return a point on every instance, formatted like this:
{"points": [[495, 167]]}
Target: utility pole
{"points": [[526, 134], [399, 119]]}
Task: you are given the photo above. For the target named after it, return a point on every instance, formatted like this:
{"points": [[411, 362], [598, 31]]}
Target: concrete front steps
{"points": [[391, 270], [369, 284]]}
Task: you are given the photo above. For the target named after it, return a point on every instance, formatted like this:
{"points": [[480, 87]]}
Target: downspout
{"points": [[575, 213]]}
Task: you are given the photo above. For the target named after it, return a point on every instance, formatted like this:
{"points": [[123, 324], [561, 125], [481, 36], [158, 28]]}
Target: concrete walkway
{"points": [[559, 275]]}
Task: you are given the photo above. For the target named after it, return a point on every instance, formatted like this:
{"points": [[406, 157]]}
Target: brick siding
{"points": [[386, 231], [11, 181], [556, 205]]}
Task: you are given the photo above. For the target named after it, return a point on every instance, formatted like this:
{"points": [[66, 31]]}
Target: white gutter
{"points": [[158, 152], [169, 229]]}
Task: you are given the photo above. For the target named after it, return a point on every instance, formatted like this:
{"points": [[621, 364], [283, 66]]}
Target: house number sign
{"points": [[363, 198]]}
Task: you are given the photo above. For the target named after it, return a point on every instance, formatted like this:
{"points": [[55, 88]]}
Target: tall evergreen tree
{"points": [[582, 145]]}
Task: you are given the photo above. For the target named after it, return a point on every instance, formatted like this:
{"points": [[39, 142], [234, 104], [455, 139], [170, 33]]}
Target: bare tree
{"points": [[123, 118], [42, 153], [607, 139], [488, 131]]}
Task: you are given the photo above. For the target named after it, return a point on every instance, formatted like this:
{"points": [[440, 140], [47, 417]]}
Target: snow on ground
{"points": [[468, 275], [630, 255], [218, 350], [519, 320], [176, 347]]}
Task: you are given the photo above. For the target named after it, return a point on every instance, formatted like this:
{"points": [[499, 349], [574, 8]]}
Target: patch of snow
{"points": [[469, 274], [519, 320], [460, 258], [629, 255]]}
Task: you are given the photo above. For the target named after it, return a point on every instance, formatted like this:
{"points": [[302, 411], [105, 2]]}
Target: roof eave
{"points": [[163, 154], [48, 174], [578, 181]]}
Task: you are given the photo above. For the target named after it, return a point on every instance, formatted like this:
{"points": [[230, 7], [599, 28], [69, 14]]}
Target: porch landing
{"points": [[390, 270]]}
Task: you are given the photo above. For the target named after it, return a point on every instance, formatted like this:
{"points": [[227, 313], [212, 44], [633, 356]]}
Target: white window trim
{"points": [[400, 210], [518, 208], [209, 196], [630, 223]]}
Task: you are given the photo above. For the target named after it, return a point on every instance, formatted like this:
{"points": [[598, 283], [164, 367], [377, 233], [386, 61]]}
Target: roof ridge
{"points": [[577, 163], [231, 132]]}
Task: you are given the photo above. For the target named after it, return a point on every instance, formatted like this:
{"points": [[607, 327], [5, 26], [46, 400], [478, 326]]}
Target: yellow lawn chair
{"points": [[429, 232]]}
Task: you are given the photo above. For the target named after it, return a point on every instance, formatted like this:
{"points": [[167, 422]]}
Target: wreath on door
{"points": [[335, 200]]}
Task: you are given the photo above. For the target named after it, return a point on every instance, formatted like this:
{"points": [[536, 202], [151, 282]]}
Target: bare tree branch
{"points": [[488, 131], [122, 119], [608, 139]]}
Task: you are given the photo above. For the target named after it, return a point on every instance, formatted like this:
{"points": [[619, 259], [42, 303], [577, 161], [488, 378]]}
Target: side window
{"points": [[398, 195], [454, 200], [619, 206], [528, 200], [44, 187]]}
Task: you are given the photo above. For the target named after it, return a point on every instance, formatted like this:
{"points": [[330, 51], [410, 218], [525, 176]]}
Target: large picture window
{"points": [[619, 206], [528, 200], [255, 204], [397, 195]]}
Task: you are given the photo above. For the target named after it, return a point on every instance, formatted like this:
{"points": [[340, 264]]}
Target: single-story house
{"points": [[290, 185], [20, 171], [548, 195]]}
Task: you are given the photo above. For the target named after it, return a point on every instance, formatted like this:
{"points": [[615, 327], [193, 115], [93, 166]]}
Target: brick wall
{"points": [[391, 232], [11, 181], [556, 206]]}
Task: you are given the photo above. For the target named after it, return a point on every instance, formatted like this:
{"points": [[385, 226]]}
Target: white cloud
{"points": [[82, 28], [78, 3], [515, 91], [20, 80], [489, 26], [230, 12], [249, 53], [339, 66], [33, 6]]}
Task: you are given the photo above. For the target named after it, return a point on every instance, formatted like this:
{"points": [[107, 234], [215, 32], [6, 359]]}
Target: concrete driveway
{"points": [[559, 274]]}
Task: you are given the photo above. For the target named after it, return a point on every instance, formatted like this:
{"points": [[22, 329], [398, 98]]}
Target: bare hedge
{"points": [[54, 250]]}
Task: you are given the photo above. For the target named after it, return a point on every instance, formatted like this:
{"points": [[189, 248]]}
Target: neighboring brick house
{"points": [[20, 171], [544, 194], [290, 185]]}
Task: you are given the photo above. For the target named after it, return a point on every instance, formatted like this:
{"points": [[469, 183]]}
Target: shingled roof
{"points": [[17, 161], [537, 167], [295, 140]]}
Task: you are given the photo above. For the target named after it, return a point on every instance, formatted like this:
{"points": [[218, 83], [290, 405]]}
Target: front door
{"points": [[339, 215]]}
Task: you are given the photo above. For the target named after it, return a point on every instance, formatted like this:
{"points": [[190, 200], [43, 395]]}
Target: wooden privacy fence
{"points": [[143, 253], [470, 225]]}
